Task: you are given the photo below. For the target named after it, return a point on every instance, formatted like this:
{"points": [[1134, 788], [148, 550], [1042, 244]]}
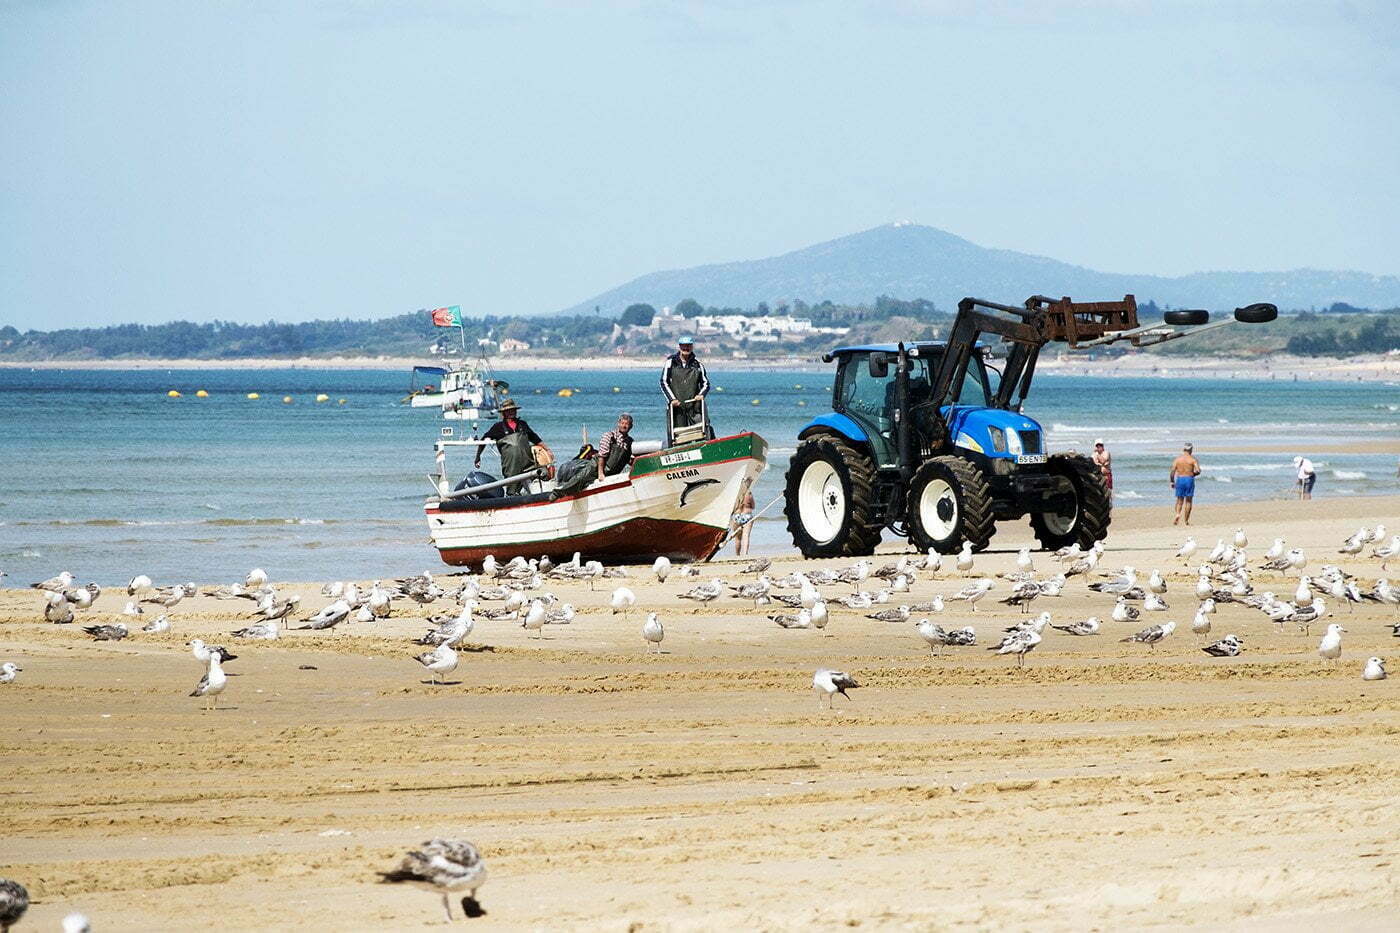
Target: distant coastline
{"points": [[1370, 368]]}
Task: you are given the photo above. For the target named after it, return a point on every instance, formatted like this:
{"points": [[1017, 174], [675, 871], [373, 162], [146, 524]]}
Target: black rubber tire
{"points": [[858, 534], [972, 504], [1186, 317], [1094, 505], [1261, 313]]}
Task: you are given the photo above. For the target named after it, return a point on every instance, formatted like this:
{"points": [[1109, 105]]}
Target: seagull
{"points": [[1019, 643], [1187, 549], [442, 660], [133, 609], [82, 596], [1204, 589], [14, 901], [1155, 583], [212, 683], [59, 612], [973, 592], [653, 631], [964, 559], [55, 584], [891, 615], [1275, 550], [259, 631], [933, 562], [106, 632], [138, 584], [662, 568], [8, 670], [623, 599], [333, 590], [1217, 553], [757, 591], [1122, 612], [933, 635], [1305, 616], [77, 923], [1119, 585], [1376, 534], [1200, 624], [856, 574], [705, 592], [273, 608], [1152, 634], [1036, 625], [931, 605], [157, 626], [820, 615], [256, 577], [446, 866], [1022, 595], [1154, 603], [1228, 647], [202, 652], [1330, 648], [1375, 669], [169, 600], [831, 683], [1387, 553], [329, 616], [1241, 539], [1303, 594], [1089, 626], [757, 565], [802, 619], [379, 601], [534, 618]]}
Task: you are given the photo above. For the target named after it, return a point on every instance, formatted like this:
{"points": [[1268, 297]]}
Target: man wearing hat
{"points": [[684, 383], [515, 441], [1185, 469]]}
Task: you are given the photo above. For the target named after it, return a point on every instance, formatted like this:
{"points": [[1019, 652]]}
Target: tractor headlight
{"points": [[998, 439], [1013, 443]]}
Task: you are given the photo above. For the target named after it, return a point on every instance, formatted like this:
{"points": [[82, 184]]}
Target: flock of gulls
{"points": [[517, 592]]}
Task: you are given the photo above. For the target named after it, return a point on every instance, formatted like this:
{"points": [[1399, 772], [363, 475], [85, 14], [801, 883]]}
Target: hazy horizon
{"points": [[250, 161]]}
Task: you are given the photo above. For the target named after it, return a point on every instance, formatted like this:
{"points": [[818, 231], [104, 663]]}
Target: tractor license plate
{"points": [[1030, 458]]}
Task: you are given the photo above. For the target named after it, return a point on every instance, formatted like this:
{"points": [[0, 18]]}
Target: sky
{"points": [[280, 160]]}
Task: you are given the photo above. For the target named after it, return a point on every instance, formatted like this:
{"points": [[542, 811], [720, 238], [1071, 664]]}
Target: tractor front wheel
{"points": [[949, 503], [1083, 520], [829, 499]]}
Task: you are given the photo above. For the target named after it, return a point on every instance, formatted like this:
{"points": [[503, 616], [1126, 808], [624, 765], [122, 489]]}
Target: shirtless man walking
{"points": [[1185, 469]]}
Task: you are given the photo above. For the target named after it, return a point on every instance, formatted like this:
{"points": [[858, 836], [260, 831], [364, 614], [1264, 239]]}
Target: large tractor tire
{"points": [[1087, 520], [949, 503], [829, 499]]}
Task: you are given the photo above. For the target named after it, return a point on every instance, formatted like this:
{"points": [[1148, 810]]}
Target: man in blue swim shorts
{"points": [[1185, 469]]}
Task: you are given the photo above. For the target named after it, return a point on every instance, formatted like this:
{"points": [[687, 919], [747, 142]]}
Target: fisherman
{"points": [[685, 385], [615, 448], [515, 442]]}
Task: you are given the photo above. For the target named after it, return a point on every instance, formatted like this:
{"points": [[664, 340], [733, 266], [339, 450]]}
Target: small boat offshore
{"points": [[678, 502]]}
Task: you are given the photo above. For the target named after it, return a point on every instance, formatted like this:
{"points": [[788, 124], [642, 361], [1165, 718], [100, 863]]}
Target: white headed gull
{"points": [[829, 683], [653, 632], [662, 568], [1152, 634], [440, 662], [444, 866], [212, 683], [1375, 669], [8, 670], [1330, 648]]}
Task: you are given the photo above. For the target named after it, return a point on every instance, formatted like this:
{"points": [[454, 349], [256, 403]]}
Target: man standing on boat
{"points": [[615, 448], [515, 441], [685, 385]]}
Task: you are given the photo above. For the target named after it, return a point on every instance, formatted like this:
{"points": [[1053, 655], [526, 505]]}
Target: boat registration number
{"points": [[1030, 458], [685, 456]]}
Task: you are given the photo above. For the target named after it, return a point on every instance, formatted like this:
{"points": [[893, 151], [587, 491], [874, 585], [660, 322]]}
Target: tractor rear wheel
{"points": [[949, 503], [829, 499], [1086, 519]]}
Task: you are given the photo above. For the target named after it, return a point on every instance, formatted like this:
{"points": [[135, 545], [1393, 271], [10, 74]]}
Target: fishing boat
{"points": [[678, 502], [463, 391]]}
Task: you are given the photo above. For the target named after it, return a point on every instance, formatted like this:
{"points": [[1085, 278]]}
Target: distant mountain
{"points": [[906, 260]]}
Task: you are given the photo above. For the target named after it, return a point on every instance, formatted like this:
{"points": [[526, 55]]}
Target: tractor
{"points": [[923, 441]]}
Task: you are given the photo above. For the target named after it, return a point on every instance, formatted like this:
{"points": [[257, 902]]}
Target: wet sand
{"points": [[1106, 784]]}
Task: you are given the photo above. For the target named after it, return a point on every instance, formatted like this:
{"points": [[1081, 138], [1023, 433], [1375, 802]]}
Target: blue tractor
{"points": [[921, 440]]}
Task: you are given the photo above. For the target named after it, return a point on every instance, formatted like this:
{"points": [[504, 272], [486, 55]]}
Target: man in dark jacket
{"points": [[515, 441], [684, 383]]}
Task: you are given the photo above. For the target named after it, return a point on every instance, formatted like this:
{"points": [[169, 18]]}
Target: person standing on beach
{"points": [[742, 527], [685, 385], [1307, 476], [1104, 461], [1185, 469]]}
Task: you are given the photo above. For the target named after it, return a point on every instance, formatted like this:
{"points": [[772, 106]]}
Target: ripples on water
{"points": [[106, 476]]}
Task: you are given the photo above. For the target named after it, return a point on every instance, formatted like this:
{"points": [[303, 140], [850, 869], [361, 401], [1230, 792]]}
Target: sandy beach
{"points": [[1105, 785]]}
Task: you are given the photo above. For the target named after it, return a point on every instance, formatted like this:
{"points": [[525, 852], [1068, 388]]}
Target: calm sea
{"points": [[103, 475]]}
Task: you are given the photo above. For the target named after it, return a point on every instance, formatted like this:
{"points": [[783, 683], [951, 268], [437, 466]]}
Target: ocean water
{"points": [[103, 475]]}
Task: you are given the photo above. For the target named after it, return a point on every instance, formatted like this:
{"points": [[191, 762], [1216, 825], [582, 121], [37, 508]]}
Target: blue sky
{"points": [[267, 159]]}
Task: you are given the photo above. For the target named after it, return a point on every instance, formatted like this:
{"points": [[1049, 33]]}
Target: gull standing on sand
{"points": [[55, 584], [169, 600], [1019, 642], [829, 683], [1187, 549], [256, 577], [623, 600], [965, 559], [1374, 670], [933, 635], [757, 591], [212, 683], [1200, 624], [534, 618], [1241, 539], [1152, 634], [1275, 550], [973, 592], [1388, 553], [8, 670], [820, 615], [444, 866], [138, 585], [1155, 583], [1330, 648], [662, 568], [653, 631], [442, 660]]}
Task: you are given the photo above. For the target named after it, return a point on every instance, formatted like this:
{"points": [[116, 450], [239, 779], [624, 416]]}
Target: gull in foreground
{"points": [[534, 618], [1228, 647], [830, 683], [1330, 648], [1375, 670], [8, 671], [212, 683], [445, 866], [441, 661], [653, 631], [933, 635], [14, 901], [1152, 634], [820, 615], [1020, 643]]}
